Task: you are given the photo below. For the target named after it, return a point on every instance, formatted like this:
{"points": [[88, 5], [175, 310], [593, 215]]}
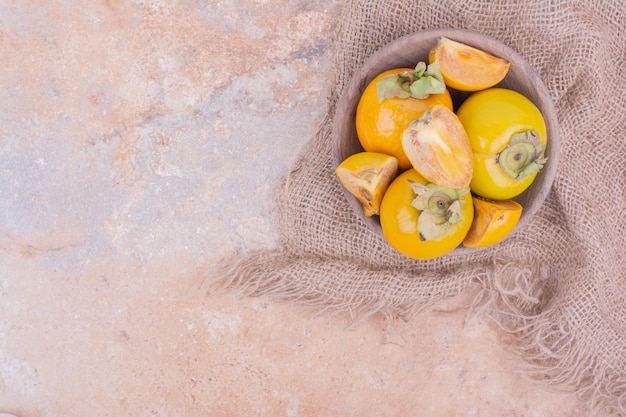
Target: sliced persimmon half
{"points": [[466, 68], [493, 221], [439, 148], [366, 175]]}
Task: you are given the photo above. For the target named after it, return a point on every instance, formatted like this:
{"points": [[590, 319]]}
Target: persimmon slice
{"points": [[466, 68], [439, 148], [493, 221], [367, 175]]}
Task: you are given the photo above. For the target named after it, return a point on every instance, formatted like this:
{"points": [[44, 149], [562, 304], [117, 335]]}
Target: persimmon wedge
{"points": [[493, 221], [439, 148], [367, 175], [466, 68]]}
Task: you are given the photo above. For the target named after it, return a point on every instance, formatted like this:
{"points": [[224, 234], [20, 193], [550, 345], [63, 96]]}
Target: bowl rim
{"points": [[372, 67]]}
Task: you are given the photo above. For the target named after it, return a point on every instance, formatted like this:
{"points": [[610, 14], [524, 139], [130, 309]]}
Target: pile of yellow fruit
{"points": [[439, 178]]}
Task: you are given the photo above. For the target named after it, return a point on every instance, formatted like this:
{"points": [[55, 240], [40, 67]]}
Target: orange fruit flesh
{"points": [[493, 221], [366, 175], [466, 68]]}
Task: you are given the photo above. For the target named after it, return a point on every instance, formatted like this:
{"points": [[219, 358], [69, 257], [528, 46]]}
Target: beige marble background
{"points": [[140, 141]]}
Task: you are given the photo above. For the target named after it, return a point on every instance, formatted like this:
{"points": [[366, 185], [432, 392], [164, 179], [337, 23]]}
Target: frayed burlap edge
{"points": [[520, 299]]}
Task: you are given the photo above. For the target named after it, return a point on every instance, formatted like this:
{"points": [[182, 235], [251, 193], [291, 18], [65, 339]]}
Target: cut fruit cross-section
{"points": [[493, 221], [439, 149], [366, 175], [466, 68]]}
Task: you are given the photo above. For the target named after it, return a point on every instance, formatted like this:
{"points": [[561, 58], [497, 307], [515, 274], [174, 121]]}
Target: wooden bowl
{"points": [[407, 52]]}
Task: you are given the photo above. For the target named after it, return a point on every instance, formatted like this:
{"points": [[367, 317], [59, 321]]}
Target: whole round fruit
{"points": [[508, 136], [423, 220]]}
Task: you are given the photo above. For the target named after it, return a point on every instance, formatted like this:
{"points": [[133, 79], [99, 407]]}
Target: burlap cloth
{"points": [[559, 286]]}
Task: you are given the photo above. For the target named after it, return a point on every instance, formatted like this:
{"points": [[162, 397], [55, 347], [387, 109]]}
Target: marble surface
{"points": [[140, 141]]}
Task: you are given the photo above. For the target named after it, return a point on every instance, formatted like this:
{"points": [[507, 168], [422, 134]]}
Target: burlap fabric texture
{"points": [[559, 285]]}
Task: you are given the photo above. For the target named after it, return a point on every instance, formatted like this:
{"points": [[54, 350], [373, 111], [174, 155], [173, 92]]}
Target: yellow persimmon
{"points": [[422, 220]]}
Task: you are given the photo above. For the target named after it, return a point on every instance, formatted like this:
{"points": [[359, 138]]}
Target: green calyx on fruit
{"points": [[440, 207], [523, 156], [418, 83]]}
